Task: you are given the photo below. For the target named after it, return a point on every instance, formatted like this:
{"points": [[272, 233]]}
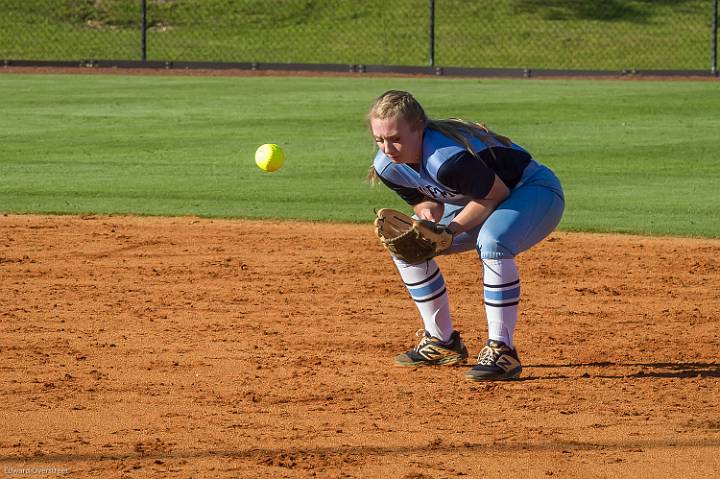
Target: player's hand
{"points": [[426, 214], [429, 210]]}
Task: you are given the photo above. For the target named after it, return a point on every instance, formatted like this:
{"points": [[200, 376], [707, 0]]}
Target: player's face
{"points": [[398, 139]]}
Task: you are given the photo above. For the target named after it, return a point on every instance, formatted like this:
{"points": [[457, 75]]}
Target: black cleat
{"points": [[433, 352], [496, 362]]}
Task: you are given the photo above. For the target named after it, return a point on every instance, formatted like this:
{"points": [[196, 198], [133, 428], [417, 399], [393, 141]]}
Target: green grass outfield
{"points": [[634, 156]]}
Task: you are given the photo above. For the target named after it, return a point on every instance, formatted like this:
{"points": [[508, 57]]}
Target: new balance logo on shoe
{"points": [[505, 362], [433, 352], [430, 352]]}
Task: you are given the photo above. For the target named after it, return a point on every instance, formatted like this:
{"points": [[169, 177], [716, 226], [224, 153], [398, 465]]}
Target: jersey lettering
{"points": [[435, 192]]}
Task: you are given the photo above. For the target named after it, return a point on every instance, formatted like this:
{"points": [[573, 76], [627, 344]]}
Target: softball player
{"points": [[491, 194]]}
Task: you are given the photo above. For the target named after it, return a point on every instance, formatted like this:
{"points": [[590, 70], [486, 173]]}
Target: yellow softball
{"points": [[269, 157]]}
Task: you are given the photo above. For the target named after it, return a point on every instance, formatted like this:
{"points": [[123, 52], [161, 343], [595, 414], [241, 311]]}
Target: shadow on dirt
{"points": [[289, 457], [646, 370]]}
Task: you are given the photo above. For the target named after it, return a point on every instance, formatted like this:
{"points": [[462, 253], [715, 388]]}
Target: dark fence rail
{"points": [[526, 35]]}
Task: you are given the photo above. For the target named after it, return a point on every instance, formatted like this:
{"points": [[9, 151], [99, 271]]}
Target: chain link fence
{"points": [[493, 34]]}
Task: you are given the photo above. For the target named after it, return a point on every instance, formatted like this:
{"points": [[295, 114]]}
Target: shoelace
{"points": [[488, 356], [425, 339]]}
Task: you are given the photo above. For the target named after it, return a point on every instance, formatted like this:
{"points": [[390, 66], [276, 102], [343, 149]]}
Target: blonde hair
{"points": [[394, 103]]}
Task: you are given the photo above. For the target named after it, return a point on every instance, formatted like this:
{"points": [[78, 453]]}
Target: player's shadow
{"points": [[634, 370], [289, 457]]}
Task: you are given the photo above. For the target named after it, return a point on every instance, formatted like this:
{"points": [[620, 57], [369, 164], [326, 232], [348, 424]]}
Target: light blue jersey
{"points": [[449, 174], [444, 160]]}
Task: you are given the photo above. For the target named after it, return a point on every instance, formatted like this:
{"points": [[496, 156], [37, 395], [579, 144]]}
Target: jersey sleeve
{"points": [[467, 175], [410, 195]]}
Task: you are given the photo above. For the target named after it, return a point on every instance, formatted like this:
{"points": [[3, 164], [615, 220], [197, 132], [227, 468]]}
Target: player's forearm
{"points": [[474, 214], [477, 211]]}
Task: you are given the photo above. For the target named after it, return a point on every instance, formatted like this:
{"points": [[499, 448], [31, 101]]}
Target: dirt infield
{"points": [[182, 347]]}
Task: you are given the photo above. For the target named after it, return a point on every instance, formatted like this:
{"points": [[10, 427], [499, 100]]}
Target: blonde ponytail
{"points": [[372, 176], [459, 129]]}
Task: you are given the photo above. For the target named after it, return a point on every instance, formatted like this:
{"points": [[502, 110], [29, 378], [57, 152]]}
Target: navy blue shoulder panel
{"points": [[452, 165], [467, 175]]}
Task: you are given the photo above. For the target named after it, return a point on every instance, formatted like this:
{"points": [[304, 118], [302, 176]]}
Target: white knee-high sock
{"points": [[501, 281], [426, 286]]}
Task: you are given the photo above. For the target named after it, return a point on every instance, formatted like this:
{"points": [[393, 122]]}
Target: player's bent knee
{"points": [[493, 248]]}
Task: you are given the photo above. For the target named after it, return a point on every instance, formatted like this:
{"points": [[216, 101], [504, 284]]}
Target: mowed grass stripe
{"points": [[635, 157]]}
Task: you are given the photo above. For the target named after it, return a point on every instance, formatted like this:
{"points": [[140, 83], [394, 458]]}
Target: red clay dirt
{"points": [[235, 72], [185, 347]]}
